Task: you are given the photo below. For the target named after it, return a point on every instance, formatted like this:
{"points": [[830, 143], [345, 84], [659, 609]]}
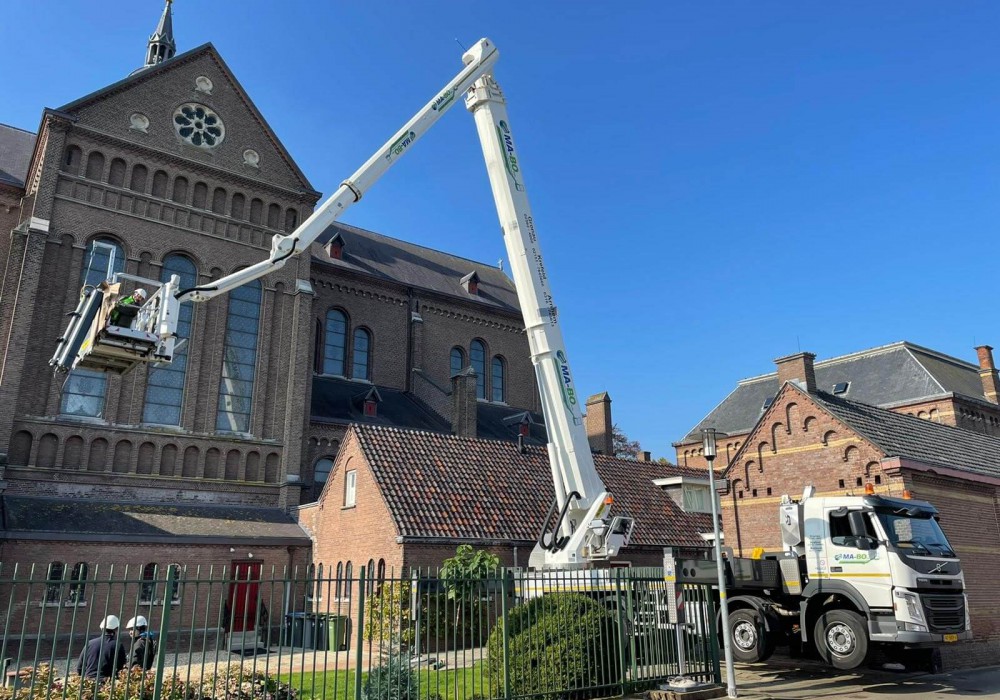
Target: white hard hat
{"points": [[111, 622], [138, 621], [140, 292]]}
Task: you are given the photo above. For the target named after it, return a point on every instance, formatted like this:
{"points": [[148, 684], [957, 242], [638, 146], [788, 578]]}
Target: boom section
{"points": [[580, 534]]}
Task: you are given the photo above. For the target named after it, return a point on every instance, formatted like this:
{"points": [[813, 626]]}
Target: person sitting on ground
{"points": [[143, 652], [103, 656], [126, 309]]}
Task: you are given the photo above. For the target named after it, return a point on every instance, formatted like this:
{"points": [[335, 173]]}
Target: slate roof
{"points": [[884, 376], [337, 400], [145, 521], [16, 147], [416, 266], [443, 486], [900, 435]]}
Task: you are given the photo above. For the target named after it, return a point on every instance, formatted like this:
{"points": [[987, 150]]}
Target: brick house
{"points": [[405, 498], [173, 170], [809, 435]]}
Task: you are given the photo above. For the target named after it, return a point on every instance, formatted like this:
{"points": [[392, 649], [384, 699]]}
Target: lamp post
{"points": [[708, 447]]}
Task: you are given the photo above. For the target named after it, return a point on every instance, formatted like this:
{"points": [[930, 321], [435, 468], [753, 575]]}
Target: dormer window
{"points": [[369, 402], [335, 247], [371, 408], [841, 387], [471, 283], [691, 494]]}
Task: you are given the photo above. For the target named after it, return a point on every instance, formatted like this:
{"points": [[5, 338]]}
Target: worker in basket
{"points": [[126, 309]]}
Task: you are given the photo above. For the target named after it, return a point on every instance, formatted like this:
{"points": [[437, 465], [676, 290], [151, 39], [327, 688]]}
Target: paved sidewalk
{"points": [[787, 679]]}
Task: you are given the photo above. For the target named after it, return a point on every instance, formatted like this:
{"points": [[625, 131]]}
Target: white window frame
{"points": [[684, 483], [350, 488]]}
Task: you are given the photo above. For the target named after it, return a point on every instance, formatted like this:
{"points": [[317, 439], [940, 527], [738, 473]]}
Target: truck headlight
{"points": [[968, 618], [912, 603], [910, 627]]}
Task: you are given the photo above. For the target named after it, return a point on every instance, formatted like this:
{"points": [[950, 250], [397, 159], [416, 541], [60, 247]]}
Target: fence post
{"points": [[624, 635], [360, 627], [505, 630], [161, 649]]}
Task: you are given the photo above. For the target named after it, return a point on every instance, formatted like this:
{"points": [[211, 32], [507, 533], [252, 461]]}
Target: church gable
{"points": [[192, 106]]}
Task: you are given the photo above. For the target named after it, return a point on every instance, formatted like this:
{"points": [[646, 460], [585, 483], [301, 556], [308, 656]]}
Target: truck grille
{"points": [[945, 613]]}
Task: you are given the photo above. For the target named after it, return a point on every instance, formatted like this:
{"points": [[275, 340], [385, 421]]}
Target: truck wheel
{"points": [[750, 641], [841, 639]]}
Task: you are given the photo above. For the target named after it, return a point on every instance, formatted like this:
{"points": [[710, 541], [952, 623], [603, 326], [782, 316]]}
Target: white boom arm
{"points": [[574, 532]]}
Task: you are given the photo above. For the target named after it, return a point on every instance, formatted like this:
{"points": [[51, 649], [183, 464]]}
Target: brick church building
{"points": [[173, 170]]}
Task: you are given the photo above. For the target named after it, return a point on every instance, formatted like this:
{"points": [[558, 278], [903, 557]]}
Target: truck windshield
{"points": [[923, 536]]}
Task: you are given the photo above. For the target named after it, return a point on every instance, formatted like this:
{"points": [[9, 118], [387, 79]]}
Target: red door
{"points": [[243, 593]]}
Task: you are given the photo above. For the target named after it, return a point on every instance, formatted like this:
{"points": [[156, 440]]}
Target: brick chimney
{"points": [[464, 407], [644, 456], [797, 368], [988, 374], [598, 422]]}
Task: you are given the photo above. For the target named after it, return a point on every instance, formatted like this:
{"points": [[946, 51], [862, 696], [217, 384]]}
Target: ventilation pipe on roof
{"points": [[520, 444]]}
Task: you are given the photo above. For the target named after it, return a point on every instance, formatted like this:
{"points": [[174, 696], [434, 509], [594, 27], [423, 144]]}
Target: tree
{"points": [[622, 446], [469, 578], [664, 461]]}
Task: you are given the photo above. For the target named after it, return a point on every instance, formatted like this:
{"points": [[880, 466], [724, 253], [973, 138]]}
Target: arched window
{"points": [[340, 579], [219, 201], [165, 388], [95, 165], [200, 199], [334, 346], [457, 360], [348, 582], [477, 358], [273, 214], [291, 220], [370, 576], [78, 582], [239, 359], [362, 344], [148, 587], [74, 156], [236, 209], [160, 184], [138, 181], [256, 210], [84, 390], [180, 190], [321, 472], [53, 587], [497, 378], [116, 176], [381, 572]]}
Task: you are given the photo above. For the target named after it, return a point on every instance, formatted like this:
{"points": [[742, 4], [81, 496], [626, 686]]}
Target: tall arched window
{"points": [[148, 587], [73, 158], [360, 368], [477, 358], [340, 579], [370, 576], [236, 209], [348, 583], [291, 220], [256, 210], [84, 390], [53, 589], [219, 200], [497, 378], [116, 176], [334, 346], [457, 360], [239, 359], [181, 190], [165, 388], [160, 184], [138, 181], [321, 472], [78, 582], [273, 214], [200, 198]]}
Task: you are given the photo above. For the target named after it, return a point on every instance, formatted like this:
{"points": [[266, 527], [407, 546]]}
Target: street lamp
{"points": [[708, 436]]}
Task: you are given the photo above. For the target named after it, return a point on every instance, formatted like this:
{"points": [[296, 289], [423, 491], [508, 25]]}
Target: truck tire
{"points": [[841, 639], [751, 643]]}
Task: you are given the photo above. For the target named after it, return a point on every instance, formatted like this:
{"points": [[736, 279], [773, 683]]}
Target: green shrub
{"points": [[392, 680], [387, 617], [561, 643]]}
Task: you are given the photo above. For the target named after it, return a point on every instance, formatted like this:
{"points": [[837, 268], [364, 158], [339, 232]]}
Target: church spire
{"points": [[161, 43]]}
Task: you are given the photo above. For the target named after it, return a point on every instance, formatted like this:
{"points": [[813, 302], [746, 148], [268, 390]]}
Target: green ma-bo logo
{"points": [[568, 392], [446, 98], [507, 148], [854, 558], [400, 144]]}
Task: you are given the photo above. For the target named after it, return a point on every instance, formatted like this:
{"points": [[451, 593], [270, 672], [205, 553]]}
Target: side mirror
{"points": [[866, 543]]}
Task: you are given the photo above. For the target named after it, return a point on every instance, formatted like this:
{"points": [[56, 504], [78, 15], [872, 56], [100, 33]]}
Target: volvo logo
{"points": [[939, 568]]}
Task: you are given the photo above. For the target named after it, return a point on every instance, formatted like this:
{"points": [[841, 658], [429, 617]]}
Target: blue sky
{"points": [[714, 184]]}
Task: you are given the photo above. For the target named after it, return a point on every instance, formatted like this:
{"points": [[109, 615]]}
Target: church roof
{"points": [[16, 146], [889, 375], [415, 266], [86, 520], [444, 486]]}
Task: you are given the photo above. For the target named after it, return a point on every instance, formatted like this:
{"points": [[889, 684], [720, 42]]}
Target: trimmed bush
{"points": [[561, 643], [392, 680]]}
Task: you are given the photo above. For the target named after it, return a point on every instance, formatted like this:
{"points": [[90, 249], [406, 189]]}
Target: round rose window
{"points": [[199, 126]]}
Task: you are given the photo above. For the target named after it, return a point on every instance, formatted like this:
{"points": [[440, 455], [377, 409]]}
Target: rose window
{"points": [[199, 126]]}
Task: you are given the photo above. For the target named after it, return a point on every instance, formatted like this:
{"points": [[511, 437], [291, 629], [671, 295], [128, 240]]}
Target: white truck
{"points": [[578, 529], [856, 571]]}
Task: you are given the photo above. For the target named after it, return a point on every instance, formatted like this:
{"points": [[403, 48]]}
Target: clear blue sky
{"points": [[715, 184]]}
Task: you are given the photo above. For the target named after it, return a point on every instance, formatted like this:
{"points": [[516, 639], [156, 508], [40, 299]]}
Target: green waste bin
{"points": [[339, 628]]}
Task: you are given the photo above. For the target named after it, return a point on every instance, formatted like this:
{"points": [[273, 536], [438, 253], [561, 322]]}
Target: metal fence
{"points": [[245, 632]]}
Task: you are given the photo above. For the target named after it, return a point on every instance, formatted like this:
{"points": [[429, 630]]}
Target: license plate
{"points": [[951, 638]]}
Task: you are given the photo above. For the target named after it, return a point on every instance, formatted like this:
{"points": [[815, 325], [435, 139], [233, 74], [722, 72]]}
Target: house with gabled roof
{"points": [[809, 436], [902, 377], [406, 498]]}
